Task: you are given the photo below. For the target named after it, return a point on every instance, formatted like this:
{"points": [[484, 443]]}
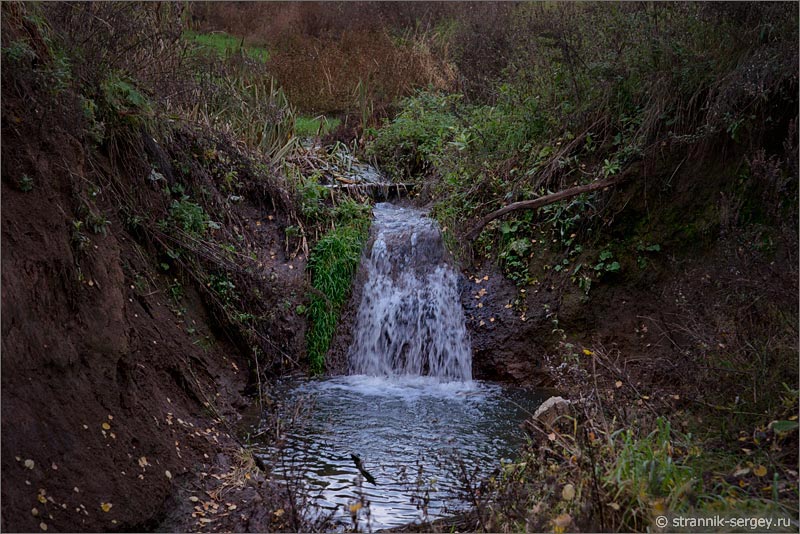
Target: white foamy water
{"points": [[410, 320], [409, 408]]}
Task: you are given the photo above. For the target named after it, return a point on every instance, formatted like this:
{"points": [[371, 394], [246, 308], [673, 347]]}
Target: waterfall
{"points": [[410, 320]]}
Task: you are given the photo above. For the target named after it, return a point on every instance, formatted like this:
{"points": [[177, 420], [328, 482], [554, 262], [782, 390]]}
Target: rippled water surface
{"points": [[412, 433]]}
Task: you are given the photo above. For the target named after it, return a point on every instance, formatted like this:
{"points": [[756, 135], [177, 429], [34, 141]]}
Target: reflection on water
{"points": [[413, 434]]}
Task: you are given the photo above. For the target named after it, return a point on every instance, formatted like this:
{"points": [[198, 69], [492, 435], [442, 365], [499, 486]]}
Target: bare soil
{"points": [[115, 405]]}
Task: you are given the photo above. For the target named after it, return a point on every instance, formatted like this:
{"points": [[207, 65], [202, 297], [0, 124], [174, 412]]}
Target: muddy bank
{"points": [[116, 396]]}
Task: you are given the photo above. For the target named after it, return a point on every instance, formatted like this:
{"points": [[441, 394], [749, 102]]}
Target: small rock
{"points": [[551, 409]]}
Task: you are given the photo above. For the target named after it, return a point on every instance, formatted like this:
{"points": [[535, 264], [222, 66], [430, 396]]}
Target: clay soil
{"points": [[116, 409]]}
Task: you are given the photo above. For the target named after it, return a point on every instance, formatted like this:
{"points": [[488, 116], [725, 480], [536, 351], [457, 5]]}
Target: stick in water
{"points": [[360, 467]]}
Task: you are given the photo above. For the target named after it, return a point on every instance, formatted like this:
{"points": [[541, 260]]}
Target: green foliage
{"points": [[123, 97], [18, 52], [606, 263], [253, 108], [314, 126], [332, 263], [225, 45], [515, 248], [408, 144], [26, 183], [222, 286], [189, 216], [644, 472]]}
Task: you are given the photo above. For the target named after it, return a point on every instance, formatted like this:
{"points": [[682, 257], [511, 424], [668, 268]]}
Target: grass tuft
{"points": [[333, 263]]}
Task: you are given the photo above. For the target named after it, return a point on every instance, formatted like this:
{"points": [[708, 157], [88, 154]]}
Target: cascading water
{"points": [[410, 320], [409, 408]]}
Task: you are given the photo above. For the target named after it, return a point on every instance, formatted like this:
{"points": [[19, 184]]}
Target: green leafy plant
{"points": [[189, 216], [606, 263], [332, 263], [26, 183], [642, 251]]}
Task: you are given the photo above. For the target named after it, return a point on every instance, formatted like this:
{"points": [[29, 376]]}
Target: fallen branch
{"points": [[544, 201]]}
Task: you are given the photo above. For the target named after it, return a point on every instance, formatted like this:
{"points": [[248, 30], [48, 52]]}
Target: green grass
{"points": [[313, 126], [333, 263], [224, 45]]}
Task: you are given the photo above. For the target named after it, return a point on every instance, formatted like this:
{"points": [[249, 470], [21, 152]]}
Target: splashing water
{"points": [[409, 408], [410, 320]]}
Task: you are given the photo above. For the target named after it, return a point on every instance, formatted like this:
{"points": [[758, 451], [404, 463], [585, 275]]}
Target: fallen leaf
{"points": [[618, 383], [106, 426], [278, 512], [43, 525], [41, 498], [561, 522], [568, 493], [105, 506], [551, 436], [168, 474], [34, 512], [29, 464], [587, 352], [193, 499], [614, 506], [760, 470], [355, 507], [741, 472], [143, 462]]}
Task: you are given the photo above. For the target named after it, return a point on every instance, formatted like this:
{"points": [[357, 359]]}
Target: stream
{"points": [[402, 437]]}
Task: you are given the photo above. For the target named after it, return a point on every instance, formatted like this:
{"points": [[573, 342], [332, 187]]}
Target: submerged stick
{"points": [[360, 466]]}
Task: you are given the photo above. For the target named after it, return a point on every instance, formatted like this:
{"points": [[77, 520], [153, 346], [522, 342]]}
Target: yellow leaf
{"points": [[561, 522], [760, 470], [614, 506], [568, 493], [355, 507], [659, 507], [278, 512], [618, 384], [41, 498], [106, 426], [587, 352], [105, 506]]}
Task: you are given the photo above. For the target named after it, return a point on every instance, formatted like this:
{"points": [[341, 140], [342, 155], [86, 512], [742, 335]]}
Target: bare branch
{"points": [[544, 201]]}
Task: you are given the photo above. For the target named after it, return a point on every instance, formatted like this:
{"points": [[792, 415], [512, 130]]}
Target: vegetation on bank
{"points": [[694, 105], [695, 111], [200, 117]]}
